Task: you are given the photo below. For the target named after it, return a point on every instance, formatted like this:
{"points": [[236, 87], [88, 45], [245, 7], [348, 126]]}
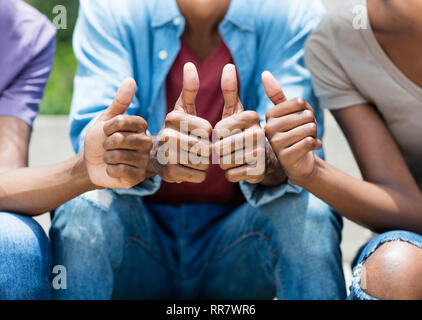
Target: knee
{"points": [[25, 258], [82, 219], [393, 272]]}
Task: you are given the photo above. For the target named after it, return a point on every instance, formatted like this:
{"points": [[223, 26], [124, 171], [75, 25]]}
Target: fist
{"points": [[116, 146], [292, 131], [241, 140], [182, 149]]}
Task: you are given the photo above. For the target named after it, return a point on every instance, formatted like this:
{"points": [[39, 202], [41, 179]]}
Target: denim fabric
{"points": [[356, 292], [117, 246], [114, 40], [25, 259]]}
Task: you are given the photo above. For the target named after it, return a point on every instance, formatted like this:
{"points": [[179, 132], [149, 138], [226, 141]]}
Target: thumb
{"points": [[122, 100], [230, 90], [273, 88], [186, 101]]}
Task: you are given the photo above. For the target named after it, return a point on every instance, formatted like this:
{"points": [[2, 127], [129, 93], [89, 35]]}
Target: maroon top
{"points": [[209, 105]]}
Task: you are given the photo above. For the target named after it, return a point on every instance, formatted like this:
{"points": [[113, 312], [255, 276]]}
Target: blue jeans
{"points": [[25, 259], [356, 291], [120, 247]]}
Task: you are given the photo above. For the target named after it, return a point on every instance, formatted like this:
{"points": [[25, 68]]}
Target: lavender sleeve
{"points": [[27, 49]]}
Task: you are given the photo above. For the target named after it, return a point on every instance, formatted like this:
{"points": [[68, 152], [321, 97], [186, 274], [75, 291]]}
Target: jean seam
{"points": [[142, 244], [243, 237], [223, 251]]}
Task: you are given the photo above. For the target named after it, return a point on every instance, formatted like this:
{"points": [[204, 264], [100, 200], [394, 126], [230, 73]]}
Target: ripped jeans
{"points": [[357, 288], [119, 247]]}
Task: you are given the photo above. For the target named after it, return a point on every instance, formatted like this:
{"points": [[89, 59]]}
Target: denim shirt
{"points": [[114, 40]]}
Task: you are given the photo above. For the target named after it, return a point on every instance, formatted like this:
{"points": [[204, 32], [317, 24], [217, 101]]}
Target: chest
{"points": [[407, 58]]}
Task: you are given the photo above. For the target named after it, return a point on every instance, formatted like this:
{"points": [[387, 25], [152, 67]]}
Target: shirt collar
{"points": [[164, 11], [240, 13]]}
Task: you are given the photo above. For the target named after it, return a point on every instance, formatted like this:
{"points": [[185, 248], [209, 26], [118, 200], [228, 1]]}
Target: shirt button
{"points": [[163, 55], [176, 21]]}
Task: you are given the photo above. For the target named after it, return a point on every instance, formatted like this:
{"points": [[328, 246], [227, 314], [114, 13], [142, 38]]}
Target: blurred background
{"points": [[59, 90]]}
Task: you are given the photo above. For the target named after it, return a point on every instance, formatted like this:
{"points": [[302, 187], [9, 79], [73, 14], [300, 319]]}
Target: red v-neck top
{"points": [[209, 105]]}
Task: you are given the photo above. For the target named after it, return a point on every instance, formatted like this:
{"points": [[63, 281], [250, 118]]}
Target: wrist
{"points": [[274, 173], [307, 181], [81, 175], [153, 165]]}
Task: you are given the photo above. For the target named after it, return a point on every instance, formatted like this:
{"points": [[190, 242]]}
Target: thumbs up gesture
{"points": [[241, 146], [181, 151], [117, 148], [292, 131]]}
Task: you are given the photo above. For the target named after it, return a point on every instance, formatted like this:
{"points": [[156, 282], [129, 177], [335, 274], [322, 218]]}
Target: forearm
{"points": [[33, 191], [377, 207]]}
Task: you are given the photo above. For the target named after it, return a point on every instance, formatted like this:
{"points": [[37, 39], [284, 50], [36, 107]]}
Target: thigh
{"points": [[107, 245], [290, 246], [23, 246]]}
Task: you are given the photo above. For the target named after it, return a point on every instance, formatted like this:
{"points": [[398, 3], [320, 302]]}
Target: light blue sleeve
{"points": [[104, 61], [283, 28]]}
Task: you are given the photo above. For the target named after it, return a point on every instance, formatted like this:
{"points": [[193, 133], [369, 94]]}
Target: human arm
{"points": [[116, 155], [388, 198]]}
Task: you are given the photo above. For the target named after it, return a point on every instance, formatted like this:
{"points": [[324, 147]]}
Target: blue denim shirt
{"points": [[114, 40]]}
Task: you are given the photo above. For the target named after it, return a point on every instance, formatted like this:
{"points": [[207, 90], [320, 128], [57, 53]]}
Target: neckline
{"points": [[385, 61], [195, 57]]}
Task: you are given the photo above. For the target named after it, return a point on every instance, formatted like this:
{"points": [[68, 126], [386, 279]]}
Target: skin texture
{"points": [[401, 264], [248, 128], [117, 147], [106, 162], [398, 28], [386, 199], [202, 20], [198, 131], [14, 141]]}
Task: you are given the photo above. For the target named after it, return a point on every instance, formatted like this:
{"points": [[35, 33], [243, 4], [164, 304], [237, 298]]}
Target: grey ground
{"points": [[50, 143]]}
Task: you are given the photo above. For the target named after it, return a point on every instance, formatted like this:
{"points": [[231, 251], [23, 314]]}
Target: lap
{"points": [[193, 245]]}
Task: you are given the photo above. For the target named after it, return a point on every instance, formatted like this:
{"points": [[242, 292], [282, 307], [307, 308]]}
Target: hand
{"points": [[292, 131], [116, 146], [241, 148], [181, 151]]}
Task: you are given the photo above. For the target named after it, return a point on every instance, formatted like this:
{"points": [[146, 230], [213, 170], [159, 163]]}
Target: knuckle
{"points": [[250, 116], [172, 118], [312, 128], [167, 134], [229, 176], [120, 121], [147, 143], [309, 142], [271, 128], [301, 102], [143, 123], [118, 139], [308, 115]]}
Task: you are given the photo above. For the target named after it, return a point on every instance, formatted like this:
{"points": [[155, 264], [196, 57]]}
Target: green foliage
{"points": [[47, 6], [58, 94]]}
